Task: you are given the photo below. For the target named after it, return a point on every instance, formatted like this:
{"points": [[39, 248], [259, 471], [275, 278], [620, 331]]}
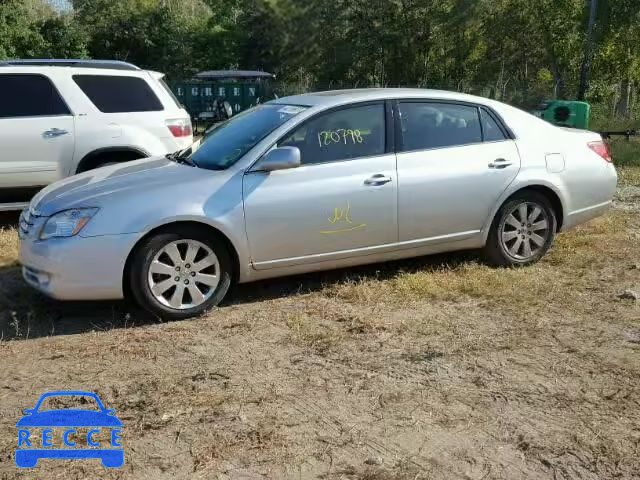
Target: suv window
{"points": [[491, 131], [28, 95], [341, 135], [169, 92], [118, 94], [434, 125]]}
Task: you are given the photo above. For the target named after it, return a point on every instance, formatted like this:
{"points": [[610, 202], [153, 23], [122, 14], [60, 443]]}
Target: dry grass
{"points": [[430, 368], [629, 176], [8, 246]]}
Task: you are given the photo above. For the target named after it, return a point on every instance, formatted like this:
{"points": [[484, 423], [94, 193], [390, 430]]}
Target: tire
{"points": [[106, 163], [161, 275], [508, 238], [107, 159]]}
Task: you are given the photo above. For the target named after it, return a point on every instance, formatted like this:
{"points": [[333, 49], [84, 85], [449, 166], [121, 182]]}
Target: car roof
{"points": [[342, 97], [66, 62], [521, 123]]}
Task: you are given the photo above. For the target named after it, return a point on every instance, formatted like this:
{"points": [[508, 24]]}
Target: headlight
{"points": [[67, 223]]}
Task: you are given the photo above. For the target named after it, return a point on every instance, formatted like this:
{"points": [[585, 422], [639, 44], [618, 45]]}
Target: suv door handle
{"points": [[377, 180], [54, 132], [500, 163]]}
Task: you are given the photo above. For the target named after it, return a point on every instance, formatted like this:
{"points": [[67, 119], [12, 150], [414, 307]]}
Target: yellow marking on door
{"points": [[342, 216], [344, 230]]}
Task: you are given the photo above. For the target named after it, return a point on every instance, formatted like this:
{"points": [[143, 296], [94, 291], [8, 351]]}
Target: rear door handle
{"points": [[377, 180], [54, 132], [500, 163]]}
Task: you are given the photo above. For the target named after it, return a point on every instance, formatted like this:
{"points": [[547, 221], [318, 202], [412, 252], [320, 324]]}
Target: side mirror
{"points": [[29, 411], [278, 159]]}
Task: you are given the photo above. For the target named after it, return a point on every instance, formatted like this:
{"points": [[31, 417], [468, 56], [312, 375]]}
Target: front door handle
{"points": [[54, 132], [377, 180], [500, 163]]}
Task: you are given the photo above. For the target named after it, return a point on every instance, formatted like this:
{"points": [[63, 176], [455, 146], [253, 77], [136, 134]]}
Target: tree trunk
{"points": [[622, 108], [558, 81], [558, 89]]}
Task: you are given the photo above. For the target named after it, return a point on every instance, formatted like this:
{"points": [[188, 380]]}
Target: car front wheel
{"points": [[522, 232], [180, 274]]}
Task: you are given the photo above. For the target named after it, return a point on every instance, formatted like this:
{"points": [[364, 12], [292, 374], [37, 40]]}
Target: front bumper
{"points": [[77, 268]]}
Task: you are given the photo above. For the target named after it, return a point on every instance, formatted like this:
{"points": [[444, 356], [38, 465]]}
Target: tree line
{"points": [[521, 51]]}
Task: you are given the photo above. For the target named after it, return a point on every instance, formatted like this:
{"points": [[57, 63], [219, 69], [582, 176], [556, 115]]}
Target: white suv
{"points": [[62, 117]]}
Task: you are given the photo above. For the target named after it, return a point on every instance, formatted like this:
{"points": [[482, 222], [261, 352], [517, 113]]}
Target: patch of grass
{"points": [[625, 152], [8, 247], [239, 441], [629, 176], [310, 332], [560, 275]]}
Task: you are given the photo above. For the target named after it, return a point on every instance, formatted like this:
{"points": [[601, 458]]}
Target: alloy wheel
{"points": [[525, 230], [184, 274]]}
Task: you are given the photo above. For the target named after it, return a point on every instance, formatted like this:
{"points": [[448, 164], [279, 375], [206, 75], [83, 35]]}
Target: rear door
{"points": [[36, 131], [454, 161], [341, 202]]}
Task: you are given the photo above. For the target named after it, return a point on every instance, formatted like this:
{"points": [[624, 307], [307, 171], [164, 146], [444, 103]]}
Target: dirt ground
{"points": [[436, 368]]}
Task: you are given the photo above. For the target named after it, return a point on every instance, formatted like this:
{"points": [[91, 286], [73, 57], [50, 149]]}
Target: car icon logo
{"points": [[69, 433]]}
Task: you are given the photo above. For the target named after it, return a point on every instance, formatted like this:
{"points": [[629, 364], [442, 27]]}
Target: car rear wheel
{"points": [[180, 274], [522, 232]]}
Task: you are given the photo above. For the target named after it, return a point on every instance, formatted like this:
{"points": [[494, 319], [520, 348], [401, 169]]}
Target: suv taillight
{"points": [[180, 127], [602, 149]]}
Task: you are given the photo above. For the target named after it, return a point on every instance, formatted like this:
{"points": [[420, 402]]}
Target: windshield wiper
{"points": [[181, 157]]}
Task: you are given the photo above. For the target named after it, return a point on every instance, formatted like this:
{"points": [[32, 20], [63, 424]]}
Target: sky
{"points": [[61, 4]]}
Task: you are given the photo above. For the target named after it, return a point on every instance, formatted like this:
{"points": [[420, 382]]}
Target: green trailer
{"points": [[242, 89]]}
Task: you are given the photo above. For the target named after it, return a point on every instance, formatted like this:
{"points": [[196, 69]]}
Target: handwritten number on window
{"points": [[341, 135]]}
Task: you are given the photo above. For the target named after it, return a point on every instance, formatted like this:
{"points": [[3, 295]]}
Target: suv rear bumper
{"points": [[77, 268]]}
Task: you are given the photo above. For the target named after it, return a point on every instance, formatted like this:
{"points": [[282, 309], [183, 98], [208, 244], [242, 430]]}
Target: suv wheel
{"points": [[522, 232], [108, 159], [180, 274]]}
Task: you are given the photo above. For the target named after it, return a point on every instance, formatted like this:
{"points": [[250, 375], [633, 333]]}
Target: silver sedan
{"points": [[316, 182]]}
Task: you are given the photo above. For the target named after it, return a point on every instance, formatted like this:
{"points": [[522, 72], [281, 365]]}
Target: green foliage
{"points": [[519, 51], [156, 34], [20, 25]]}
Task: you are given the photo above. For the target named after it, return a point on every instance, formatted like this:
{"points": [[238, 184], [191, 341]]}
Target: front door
{"points": [[36, 131], [342, 200], [454, 163]]}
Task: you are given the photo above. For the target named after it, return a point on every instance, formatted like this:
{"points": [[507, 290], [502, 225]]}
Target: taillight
{"points": [[601, 149], [180, 127]]}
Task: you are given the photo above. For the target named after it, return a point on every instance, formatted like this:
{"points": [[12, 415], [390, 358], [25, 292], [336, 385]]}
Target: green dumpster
{"points": [[565, 113]]}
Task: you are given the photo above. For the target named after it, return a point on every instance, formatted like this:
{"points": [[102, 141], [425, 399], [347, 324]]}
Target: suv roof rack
{"points": [[110, 64]]}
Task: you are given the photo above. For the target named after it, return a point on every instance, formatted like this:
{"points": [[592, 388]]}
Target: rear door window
{"points": [[119, 94], [29, 95], [427, 125]]}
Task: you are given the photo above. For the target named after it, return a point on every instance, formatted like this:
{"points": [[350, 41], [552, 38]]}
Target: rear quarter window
{"points": [[118, 94], [169, 92]]}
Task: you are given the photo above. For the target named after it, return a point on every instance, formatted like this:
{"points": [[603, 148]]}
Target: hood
{"points": [[69, 418], [92, 188]]}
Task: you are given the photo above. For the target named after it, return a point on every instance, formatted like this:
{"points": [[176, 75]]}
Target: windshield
{"points": [[226, 144]]}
